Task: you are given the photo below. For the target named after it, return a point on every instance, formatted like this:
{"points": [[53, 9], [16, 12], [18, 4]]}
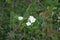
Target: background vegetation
{"points": [[46, 13]]}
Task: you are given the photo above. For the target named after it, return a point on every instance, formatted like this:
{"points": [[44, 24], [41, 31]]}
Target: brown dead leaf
{"points": [[45, 13], [48, 31]]}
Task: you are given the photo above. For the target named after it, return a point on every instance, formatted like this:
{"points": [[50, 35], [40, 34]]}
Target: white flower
{"points": [[20, 18], [31, 19], [28, 23], [59, 28]]}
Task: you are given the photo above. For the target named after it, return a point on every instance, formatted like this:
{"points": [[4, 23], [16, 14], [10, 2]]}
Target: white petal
{"points": [[28, 23], [20, 18], [59, 28], [32, 19]]}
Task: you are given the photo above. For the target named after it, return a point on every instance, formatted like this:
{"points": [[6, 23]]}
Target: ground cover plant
{"points": [[29, 19]]}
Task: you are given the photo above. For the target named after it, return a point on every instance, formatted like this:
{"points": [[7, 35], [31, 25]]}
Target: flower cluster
{"points": [[31, 20]]}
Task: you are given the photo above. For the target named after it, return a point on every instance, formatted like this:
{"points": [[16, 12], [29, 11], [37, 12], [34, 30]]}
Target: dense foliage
{"points": [[46, 13]]}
